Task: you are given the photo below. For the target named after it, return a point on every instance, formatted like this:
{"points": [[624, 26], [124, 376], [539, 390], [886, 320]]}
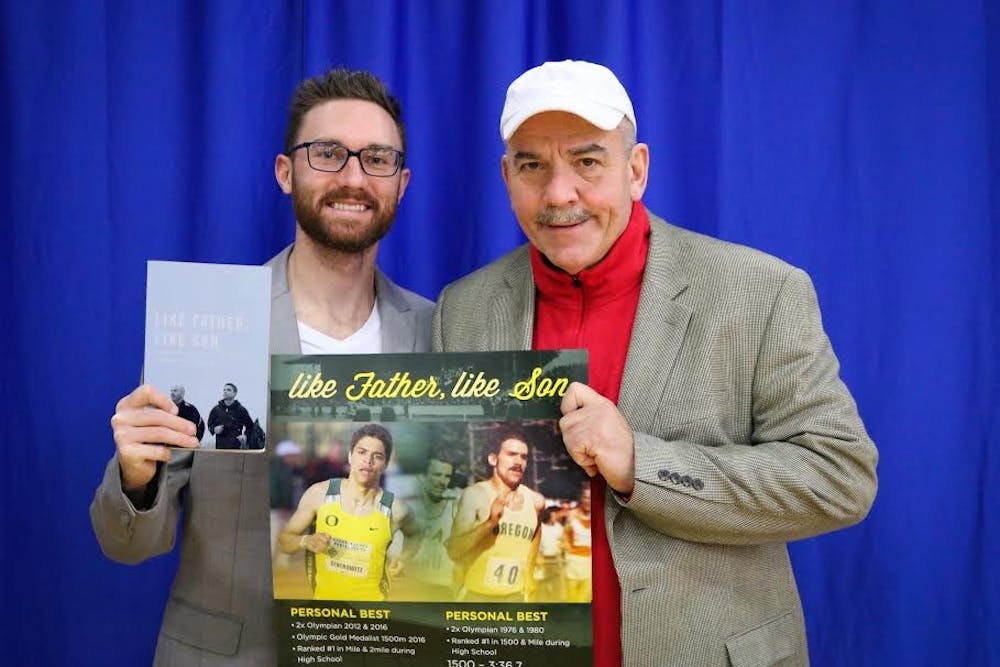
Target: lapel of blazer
{"points": [[511, 313], [399, 328], [398, 322], [659, 328], [284, 326]]}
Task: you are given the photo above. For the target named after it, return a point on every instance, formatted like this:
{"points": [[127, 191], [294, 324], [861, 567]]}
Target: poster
{"points": [[207, 328], [424, 511]]}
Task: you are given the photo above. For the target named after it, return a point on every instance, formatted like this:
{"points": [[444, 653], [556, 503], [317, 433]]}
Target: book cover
{"points": [[207, 329], [424, 511]]}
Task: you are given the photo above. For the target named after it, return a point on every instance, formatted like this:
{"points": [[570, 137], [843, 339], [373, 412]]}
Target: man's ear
{"points": [[283, 172], [404, 180], [505, 171], [638, 163]]}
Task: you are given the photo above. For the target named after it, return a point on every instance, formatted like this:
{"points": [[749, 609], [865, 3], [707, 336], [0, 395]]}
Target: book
{"points": [[417, 509], [207, 335]]}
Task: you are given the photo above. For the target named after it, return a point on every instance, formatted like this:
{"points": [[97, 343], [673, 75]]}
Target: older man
{"points": [[343, 165], [187, 411], [715, 412]]}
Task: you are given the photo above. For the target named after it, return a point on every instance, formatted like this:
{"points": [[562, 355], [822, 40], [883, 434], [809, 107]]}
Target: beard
{"points": [[346, 238]]}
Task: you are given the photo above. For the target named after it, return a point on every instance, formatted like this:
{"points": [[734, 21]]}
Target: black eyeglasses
{"points": [[333, 156]]}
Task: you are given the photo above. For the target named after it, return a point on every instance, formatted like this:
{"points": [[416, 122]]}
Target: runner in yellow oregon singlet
{"points": [[344, 526], [353, 565], [495, 536], [501, 569]]}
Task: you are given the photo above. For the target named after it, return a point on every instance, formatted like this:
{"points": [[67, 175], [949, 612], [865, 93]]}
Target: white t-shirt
{"points": [[366, 340]]}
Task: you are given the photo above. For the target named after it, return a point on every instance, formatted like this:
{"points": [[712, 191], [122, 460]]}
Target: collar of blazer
{"points": [[398, 319], [660, 322]]}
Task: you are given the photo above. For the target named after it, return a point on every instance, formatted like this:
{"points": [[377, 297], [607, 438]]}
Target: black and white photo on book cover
{"points": [[207, 328], [424, 510]]}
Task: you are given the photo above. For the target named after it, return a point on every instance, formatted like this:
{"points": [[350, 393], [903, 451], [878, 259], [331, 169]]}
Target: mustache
{"points": [[349, 193], [562, 216]]}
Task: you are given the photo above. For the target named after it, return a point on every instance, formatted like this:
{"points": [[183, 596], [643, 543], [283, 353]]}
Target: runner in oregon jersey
{"points": [[500, 569], [495, 535], [345, 526], [353, 565]]}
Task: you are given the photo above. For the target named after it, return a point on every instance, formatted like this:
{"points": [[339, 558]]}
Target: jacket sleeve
{"points": [[131, 535], [199, 424], [213, 419], [247, 422], [808, 468]]}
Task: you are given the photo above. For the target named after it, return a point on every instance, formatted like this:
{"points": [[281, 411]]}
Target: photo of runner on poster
{"points": [[435, 468]]}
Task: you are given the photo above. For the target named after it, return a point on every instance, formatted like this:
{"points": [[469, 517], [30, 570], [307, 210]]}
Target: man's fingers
{"points": [[572, 400], [584, 460], [146, 394], [577, 396], [138, 464], [153, 435], [137, 451], [140, 417]]}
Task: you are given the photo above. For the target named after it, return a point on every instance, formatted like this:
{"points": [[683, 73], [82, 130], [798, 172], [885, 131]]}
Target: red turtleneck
{"points": [[595, 310]]}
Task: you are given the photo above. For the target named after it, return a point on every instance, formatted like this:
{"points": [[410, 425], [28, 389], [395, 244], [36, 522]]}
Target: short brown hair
{"points": [[341, 84], [376, 431]]}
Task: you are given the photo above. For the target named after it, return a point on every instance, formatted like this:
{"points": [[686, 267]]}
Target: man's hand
{"points": [[597, 437], [394, 568], [217, 429], [143, 422], [315, 542], [498, 505]]}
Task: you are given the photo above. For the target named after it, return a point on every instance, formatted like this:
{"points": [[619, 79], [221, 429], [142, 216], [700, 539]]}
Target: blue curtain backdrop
{"points": [[857, 140]]}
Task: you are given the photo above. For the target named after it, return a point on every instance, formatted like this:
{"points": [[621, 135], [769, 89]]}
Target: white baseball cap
{"points": [[583, 89]]}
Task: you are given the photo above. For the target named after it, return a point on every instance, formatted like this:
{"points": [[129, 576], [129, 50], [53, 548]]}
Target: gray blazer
{"points": [[745, 439], [220, 607]]}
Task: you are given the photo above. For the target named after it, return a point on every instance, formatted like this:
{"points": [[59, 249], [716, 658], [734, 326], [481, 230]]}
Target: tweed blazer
{"points": [[220, 608], [745, 438]]}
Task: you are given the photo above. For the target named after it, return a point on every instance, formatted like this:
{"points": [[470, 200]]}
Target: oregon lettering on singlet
{"points": [[501, 569], [353, 567]]}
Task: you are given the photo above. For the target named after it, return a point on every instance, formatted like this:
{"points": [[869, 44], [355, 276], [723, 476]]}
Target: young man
{"points": [[347, 524], [344, 168], [495, 535], [715, 413], [229, 421]]}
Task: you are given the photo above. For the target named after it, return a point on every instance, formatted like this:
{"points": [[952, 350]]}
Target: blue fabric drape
{"points": [[857, 140]]}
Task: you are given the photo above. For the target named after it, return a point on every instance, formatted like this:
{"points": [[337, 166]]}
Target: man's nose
{"points": [[560, 190], [352, 174]]}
